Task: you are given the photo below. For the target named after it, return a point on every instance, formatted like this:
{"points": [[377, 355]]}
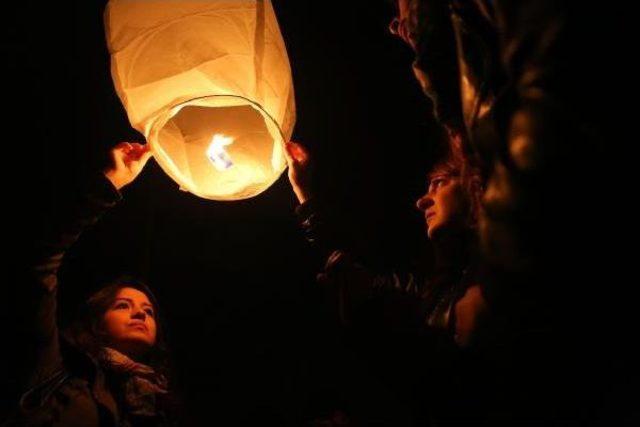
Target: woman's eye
{"points": [[437, 183], [121, 305], [149, 312]]}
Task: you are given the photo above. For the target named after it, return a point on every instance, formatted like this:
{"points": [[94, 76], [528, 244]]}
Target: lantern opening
{"points": [[188, 70], [219, 147]]}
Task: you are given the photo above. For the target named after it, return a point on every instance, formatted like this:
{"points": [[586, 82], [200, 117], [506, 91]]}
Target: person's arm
{"points": [[543, 146], [42, 284], [320, 228], [358, 295], [349, 287]]}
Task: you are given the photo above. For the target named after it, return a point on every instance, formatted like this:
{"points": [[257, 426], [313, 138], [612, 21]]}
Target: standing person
{"points": [[511, 79], [428, 319]]}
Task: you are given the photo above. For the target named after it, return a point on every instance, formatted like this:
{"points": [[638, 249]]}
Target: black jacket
{"points": [[400, 323], [68, 386], [542, 86]]}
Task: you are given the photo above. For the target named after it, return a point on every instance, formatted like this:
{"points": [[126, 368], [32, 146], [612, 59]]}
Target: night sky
{"points": [[235, 281]]}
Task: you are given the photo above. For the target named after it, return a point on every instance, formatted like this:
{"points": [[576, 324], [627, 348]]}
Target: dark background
{"points": [[249, 338]]}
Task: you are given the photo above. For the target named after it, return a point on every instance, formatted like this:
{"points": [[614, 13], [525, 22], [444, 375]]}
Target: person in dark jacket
{"points": [[451, 207], [423, 322], [536, 94], [108, 367]]}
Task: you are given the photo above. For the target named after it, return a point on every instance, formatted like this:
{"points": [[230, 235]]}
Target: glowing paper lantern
{"points": [[209, 85]]}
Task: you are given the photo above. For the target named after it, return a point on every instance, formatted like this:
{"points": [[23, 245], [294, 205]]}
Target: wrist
{"points": [[117, 181], [301, 195]]}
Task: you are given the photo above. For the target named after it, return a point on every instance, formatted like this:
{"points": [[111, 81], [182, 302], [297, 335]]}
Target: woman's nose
{"points": [[138, 313], [424, 202]]}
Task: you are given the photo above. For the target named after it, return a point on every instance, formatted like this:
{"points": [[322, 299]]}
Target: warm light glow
{"points": [[216, 153], [209, 85]]}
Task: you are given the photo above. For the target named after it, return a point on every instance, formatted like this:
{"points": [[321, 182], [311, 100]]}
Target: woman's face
{"points": [[130, 323], [444, 205]]}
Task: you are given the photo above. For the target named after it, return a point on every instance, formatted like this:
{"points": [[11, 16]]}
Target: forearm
{"points": [[40, 292]]}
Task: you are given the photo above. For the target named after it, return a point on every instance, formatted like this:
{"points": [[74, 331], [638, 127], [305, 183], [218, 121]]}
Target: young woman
{"points": [[415, 330], [109, 366], [448, 297]]}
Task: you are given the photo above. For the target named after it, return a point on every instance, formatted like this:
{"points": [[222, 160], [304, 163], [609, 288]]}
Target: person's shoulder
{"points": [[77, 361]]}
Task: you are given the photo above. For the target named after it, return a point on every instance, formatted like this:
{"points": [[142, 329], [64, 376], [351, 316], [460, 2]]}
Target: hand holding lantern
{"points": [[300, 167], [127, 161]]}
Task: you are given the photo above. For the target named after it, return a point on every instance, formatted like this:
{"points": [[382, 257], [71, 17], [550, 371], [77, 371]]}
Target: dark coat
{"points": [[542, 89], [402, 323], [68, 386]]}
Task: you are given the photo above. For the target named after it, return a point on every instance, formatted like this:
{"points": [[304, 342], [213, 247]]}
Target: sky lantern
{"points": [[209, 85]]}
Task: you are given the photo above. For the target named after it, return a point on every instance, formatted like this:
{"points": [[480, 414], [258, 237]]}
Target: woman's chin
{"points": [[134, 345]]}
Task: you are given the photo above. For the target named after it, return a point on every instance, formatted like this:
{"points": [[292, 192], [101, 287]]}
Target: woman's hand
{"points": [[127, 161], [299, 172]]}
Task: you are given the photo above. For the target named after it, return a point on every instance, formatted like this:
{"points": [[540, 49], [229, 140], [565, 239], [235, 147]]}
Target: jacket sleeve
{"points": [[41, 287], [358, 297], [547, 137], [353, 292], [319, 228]]}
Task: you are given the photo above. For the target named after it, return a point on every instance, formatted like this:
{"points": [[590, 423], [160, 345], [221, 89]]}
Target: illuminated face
{"points": [[444, 205], [129, 323]]}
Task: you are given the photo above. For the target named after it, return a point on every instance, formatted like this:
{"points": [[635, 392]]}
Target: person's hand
{"points": [[127, 161], [299, 172]]}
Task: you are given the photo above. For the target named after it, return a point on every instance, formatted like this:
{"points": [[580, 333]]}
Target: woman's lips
{"points": [[140, 326]]}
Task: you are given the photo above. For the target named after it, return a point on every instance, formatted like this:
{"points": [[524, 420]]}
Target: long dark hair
{"points": [[84, 331]]}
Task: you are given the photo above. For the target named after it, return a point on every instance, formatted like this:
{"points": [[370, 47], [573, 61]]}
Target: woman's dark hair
{"points": [[85, 331]]}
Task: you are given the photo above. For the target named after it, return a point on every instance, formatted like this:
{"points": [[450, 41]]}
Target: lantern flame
{"points": [[217, 154]]}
